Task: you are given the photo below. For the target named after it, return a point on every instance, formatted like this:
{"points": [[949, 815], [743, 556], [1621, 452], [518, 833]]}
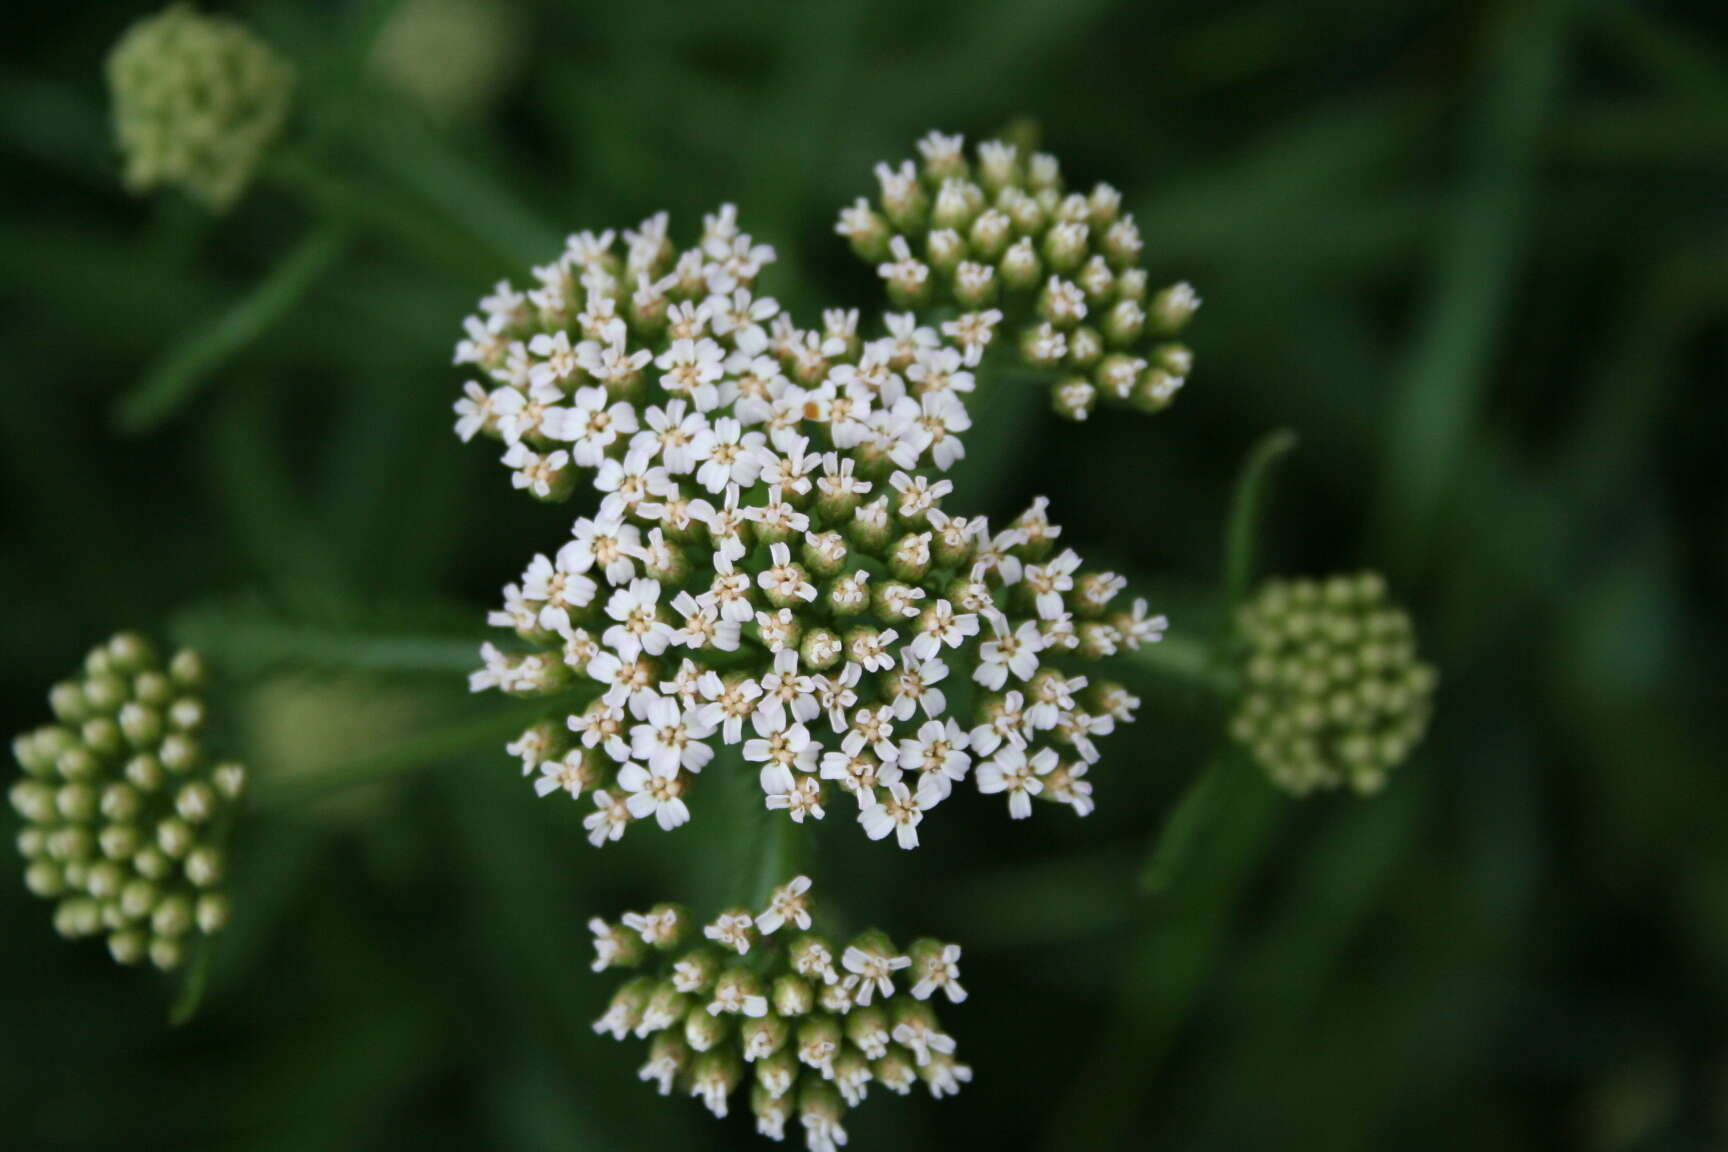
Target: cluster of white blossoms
{"points": [[124, 813], [663, 372], [815, 1025], [771, 568], [999, 231]]}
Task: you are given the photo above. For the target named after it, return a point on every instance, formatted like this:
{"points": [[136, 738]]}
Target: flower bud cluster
{"points": [[652, 367], [1335, 694], [197, 101], [771, 566], [123, 812], [998, 233], [763, 998]]}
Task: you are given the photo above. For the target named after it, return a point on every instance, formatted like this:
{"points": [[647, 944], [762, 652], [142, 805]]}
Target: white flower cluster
{"points": [[999, 229], [647, 365], [771, 566], [814, 1024]]}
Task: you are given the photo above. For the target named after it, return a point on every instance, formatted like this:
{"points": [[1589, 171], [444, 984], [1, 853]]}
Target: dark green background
{"points": [[1476, 254]]}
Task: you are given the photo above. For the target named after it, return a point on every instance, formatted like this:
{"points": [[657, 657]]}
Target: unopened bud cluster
{"points": [[762, 1002], [197, 101], [1335, 693], [771, 565], [123, 811], [998, 233]]}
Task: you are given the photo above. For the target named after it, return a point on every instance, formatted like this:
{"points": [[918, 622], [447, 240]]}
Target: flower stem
{"points": [[1181, 657], [473, 734], [780, 858]]}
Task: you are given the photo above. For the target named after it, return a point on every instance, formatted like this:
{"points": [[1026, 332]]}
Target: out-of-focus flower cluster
{"points": [[197, 101], [124, 814], [762, 995], [998, 232], [771, 566], [1335, 693]]}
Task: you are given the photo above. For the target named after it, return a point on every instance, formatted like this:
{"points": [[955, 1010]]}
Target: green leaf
{"points": [[176, 376], [191, 994], [1187, 821], [1476, 269], [1243, 526]]}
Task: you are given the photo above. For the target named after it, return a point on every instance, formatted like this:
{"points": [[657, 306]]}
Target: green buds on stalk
{"points": [[998, 230], [124, 813], [197, 102], [1335, 693]]}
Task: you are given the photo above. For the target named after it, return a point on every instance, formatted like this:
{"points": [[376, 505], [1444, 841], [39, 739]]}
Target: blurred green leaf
{"points": [[192, 362]]}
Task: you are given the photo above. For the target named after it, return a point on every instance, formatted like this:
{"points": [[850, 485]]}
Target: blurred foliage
{"points": [[1476, 254]]}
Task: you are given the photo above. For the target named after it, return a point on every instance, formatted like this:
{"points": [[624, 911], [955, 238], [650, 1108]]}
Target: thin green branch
{"points": [[473, 734], [192, 362], [1247, 504]]}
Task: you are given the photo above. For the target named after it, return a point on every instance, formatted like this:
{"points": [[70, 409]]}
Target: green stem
{"points": [[474, 734], [177, 375], [384, 212], [1246, 506], [780, 859], [1180, 657]]}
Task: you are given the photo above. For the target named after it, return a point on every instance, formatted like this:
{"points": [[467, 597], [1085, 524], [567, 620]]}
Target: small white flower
{"points": [[654, 792], [900, 811], [938, 754], [729, 705], [1143, 629], [672, 738], [1049, 581], [1012, 772], [835, 695], [788, 904], [913, 686], [607, 822], [606, 542], [780, 742], [940, 970], [734, 456], [1015, 652], [873, 969], [782, 578], [732, 930], [703, 627], [639, 628], [798, 796]]}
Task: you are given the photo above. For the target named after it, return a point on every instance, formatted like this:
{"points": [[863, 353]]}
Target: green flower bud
{"points": [[68, 702], [103, 693], [211, 912], [179, 753], [166, 952], [1330, 701], [45, 879], [1074, 398], [703, 1031], [820, 650], [197, 101], [128, 946], [1020, 267]]}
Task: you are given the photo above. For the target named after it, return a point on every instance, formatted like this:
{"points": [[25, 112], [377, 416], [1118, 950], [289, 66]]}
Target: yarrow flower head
{"points": [[996, 234], [771, 567], [768, 1005], [668, 378], [124, 813], [1335, 693], [197, 101]]}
